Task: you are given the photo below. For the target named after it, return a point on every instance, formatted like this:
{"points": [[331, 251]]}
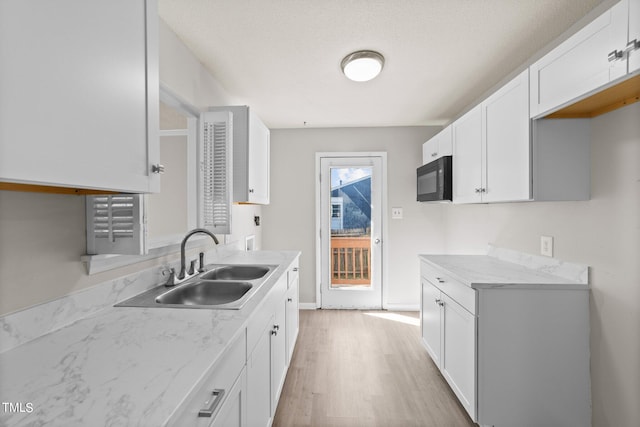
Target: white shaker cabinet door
{"points": [[430, 320], [507, 143], [458, 362], [259, 380], [467, 155], [258, 167], [582, 63], [79, 85]]}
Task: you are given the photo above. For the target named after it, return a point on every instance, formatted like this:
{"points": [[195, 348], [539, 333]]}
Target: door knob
{"points": [[376, 241]]}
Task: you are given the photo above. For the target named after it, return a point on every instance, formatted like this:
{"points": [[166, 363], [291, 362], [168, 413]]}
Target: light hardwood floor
{"points": [[360, 368]]}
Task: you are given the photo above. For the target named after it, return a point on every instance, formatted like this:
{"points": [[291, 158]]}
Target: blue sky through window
{"points": [[347, 175]]}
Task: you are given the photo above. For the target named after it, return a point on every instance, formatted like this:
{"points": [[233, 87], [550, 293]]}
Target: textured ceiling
{"points": [[282, 57]]}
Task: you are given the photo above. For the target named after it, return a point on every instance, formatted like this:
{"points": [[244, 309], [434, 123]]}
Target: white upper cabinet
{"points": [[506, 143], [79, 85], [251, 147], [593, 57], [467, 157], [491, 147], [438, 146]]}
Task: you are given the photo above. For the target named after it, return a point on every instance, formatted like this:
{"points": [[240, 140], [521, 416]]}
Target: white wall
{"points": [[290, 218], [42, 236]]}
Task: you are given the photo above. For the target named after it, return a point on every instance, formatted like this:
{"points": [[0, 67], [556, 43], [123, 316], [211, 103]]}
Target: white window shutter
{"points": [[215, 190], [116, 224]]}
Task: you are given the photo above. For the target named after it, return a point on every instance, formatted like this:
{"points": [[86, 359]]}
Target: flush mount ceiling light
{"points": [[363, 65]]}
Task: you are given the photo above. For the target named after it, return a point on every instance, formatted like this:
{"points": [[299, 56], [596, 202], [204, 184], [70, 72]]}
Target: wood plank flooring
{"points": [[363, 368]]}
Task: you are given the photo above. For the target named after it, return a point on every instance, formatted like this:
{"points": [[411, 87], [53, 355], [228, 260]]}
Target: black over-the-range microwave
{"points": [[435, 181]]}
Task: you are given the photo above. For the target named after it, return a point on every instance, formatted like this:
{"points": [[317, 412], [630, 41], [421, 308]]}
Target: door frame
{"points": [[384, 231]]}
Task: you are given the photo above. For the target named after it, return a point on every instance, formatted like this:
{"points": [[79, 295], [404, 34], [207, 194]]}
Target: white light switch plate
{"points": [[396, 213], [546, 245]]}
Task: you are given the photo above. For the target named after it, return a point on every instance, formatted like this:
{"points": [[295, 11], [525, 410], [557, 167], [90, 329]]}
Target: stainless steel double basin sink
{"points": [[220, 287]]}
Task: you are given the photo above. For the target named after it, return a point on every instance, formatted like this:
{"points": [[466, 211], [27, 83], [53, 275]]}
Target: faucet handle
{"points": [[192, 267], [171, 281], [201, 268]]}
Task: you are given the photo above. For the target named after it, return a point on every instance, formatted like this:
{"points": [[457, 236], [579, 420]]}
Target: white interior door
{"points": [[351, 232]]}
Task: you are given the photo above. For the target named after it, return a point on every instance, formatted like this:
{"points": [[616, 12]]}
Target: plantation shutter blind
{"points": [[116, 224], [216, 160]]}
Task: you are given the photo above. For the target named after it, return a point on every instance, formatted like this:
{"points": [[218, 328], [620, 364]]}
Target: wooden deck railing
{"points": [[351, 260]]}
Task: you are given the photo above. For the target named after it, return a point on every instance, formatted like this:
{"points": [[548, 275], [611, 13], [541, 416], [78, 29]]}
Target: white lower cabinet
{"points": [[458, 359], [267, 361], [514, 355], [430, 320], [449, 335], [242, 389], [259, 380], [292, 311]]}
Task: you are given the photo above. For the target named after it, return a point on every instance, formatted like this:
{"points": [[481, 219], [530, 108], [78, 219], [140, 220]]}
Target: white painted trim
{"points": [[402, 307], [307, 306], [174, 132], [385, 235]]}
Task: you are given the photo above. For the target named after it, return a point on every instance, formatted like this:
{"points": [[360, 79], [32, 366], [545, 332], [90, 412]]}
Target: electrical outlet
{"points": [[546, 245], [396, 213]]}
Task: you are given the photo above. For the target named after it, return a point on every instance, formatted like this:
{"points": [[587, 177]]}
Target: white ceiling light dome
{"points": [[363, 65]]}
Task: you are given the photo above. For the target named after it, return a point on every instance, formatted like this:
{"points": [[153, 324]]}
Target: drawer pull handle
{"points": [[290, 299], [213, 403], [440, 280]]}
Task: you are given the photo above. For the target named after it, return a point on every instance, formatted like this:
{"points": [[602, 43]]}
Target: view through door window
{"points": [[351, 227]]}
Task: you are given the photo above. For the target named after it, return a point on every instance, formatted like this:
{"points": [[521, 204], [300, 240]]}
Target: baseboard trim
{"points": [[307, 306], [402, 307]]}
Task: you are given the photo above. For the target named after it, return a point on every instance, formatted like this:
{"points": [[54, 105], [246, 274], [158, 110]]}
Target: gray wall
{"points": [[290, 218], [603, 233]]}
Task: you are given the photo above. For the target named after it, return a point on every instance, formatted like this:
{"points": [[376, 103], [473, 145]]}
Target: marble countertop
{"points": [[123, 365], [501, 267]]}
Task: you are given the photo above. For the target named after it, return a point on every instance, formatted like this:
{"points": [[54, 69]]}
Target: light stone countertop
{"points": [[503, 267], [124, 365]]}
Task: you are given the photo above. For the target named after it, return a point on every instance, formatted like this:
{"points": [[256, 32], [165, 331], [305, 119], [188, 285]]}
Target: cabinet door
{"points": [[438, 146], [259, 380], [430, 150], [278, 354], [467, 154], [80, 94], [580, 64], [258, 169], [459, 352], [634, 35], [233, 412], [292, 318], [507, 143], [430, 320]]}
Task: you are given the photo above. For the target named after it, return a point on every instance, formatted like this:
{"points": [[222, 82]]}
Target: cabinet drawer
{"points": [[459, 292], [221, 376]]}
